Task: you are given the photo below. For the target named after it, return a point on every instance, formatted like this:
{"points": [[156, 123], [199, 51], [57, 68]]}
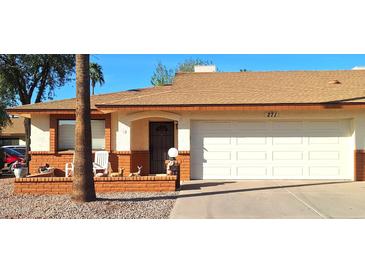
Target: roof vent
{"points": [[210, 68], [358, 68], [334, 82]]}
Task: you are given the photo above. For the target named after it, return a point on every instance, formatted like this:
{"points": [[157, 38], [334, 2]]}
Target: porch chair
{"points": [[101, 162], [69, 168]]}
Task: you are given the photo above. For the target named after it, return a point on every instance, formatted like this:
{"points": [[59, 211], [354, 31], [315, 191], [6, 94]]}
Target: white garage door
{"points": [[271, 150]]}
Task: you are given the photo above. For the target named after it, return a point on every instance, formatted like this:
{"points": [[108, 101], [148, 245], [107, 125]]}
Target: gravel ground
{"points": [[109, 206]]}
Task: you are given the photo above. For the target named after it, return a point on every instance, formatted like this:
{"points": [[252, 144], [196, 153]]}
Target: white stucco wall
{"points": [[22, 142], [113, 130], [40, 137], [124, 135], [184, 134]]}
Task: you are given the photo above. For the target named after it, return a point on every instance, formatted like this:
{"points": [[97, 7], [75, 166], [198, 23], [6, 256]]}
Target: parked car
{"points": [[10, 155], [18, 148]]}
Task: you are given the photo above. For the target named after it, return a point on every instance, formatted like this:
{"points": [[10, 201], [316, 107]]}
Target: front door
{"points": [[161, 140]]}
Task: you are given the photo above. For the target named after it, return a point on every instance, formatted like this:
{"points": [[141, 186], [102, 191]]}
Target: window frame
{"points": [[73, 119]]}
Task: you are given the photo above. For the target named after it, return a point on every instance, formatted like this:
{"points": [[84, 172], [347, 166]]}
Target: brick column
{"points": [[184, 160], [124, 161], [140, 157], [360, 165]]}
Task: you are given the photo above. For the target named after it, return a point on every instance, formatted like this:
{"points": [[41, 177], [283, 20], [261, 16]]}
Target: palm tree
{"points": [[96, 75], [83, 189]]}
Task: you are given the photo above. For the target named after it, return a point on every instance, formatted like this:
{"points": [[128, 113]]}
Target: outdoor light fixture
{"points": [[173, 152]]}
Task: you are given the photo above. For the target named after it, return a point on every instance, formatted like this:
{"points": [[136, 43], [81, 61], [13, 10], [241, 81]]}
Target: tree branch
{"points": [[43, 83]]}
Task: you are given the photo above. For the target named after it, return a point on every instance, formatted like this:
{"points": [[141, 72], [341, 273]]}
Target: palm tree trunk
{"points": [[93, 86], [83, 189], [27, 141]]}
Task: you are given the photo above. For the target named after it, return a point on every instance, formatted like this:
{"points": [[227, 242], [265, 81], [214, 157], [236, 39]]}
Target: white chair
{"points": [[69, 168], [101, 162]]}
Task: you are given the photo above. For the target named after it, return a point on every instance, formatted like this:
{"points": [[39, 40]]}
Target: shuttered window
{"points": [[66, 134]]}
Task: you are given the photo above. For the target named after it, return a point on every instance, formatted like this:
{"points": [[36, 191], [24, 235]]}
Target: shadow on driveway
{"points": [[198, 186]]}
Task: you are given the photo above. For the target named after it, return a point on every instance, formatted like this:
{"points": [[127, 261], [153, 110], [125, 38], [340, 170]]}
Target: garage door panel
{"points": [[284, 171], [324, 171], [251, 140], [216, 141], [271, 150], [217, 155], [287, 155], [252, 172], [287, 140], [217, 172], [324, 140], [252, 155], [324, 155]]}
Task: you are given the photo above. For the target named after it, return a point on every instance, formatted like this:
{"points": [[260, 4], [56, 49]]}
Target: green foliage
{"points": [[96, 75], [162, 75], [188, 64], [24, 76], [4, 117]]}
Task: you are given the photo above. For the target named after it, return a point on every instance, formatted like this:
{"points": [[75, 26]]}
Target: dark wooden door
{"points": [[161, 140]]}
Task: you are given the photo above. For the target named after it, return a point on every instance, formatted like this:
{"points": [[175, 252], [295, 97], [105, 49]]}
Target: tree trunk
{"points": [[27, 141], [93, 86], [83, 189]]}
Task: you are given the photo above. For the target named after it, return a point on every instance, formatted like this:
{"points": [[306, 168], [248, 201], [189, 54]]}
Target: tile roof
{"points": [[237, 88], [69, 104], [16, 128]]}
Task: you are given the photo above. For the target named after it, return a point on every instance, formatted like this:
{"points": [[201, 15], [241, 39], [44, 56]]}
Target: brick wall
{"points": [[118, 159], [140, 157], [123, 160], [61, 185], [184, 159], [360, 165], [56, 160]]}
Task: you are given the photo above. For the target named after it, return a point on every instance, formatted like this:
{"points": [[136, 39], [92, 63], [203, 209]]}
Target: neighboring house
{"points": [[14, 133], [234, 125]]}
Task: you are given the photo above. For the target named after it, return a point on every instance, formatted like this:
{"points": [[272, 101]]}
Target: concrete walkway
{"points": [[270, 199]]}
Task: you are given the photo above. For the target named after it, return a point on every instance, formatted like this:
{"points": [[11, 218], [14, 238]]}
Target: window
{"points": [[66, 134], [9, 141]]}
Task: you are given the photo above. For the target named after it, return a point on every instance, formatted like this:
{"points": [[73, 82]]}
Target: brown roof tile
{"points": [[287, 87], [16, 128], [69, 104], [236, 88]]}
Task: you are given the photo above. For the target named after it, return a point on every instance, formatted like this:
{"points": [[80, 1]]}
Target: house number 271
{"points": [[271, 114]]}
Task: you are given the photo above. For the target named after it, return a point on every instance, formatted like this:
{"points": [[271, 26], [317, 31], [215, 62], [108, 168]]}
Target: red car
{"points": [[11, 156]]}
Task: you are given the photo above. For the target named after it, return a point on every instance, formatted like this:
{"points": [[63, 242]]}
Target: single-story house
{"points": [[14, 133], [226, 125]]}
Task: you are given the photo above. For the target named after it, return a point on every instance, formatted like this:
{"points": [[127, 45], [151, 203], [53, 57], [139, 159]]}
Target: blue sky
{"points": [[127, 71]]}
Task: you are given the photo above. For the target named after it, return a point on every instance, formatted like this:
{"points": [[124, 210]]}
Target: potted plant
{"points": [[19, 169]]}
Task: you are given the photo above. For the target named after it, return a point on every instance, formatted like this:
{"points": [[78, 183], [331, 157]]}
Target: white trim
{"points": [[184, 134], [123, 141]]}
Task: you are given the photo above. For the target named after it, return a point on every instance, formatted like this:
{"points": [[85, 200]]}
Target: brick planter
{"points": [[62, 185]]}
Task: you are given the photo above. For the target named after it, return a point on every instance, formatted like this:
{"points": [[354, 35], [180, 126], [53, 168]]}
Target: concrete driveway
{"points": [[270, 199]]}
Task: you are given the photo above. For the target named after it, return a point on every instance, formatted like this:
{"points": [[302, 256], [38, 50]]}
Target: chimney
{"points": [[210, 68], [358, 68]]}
